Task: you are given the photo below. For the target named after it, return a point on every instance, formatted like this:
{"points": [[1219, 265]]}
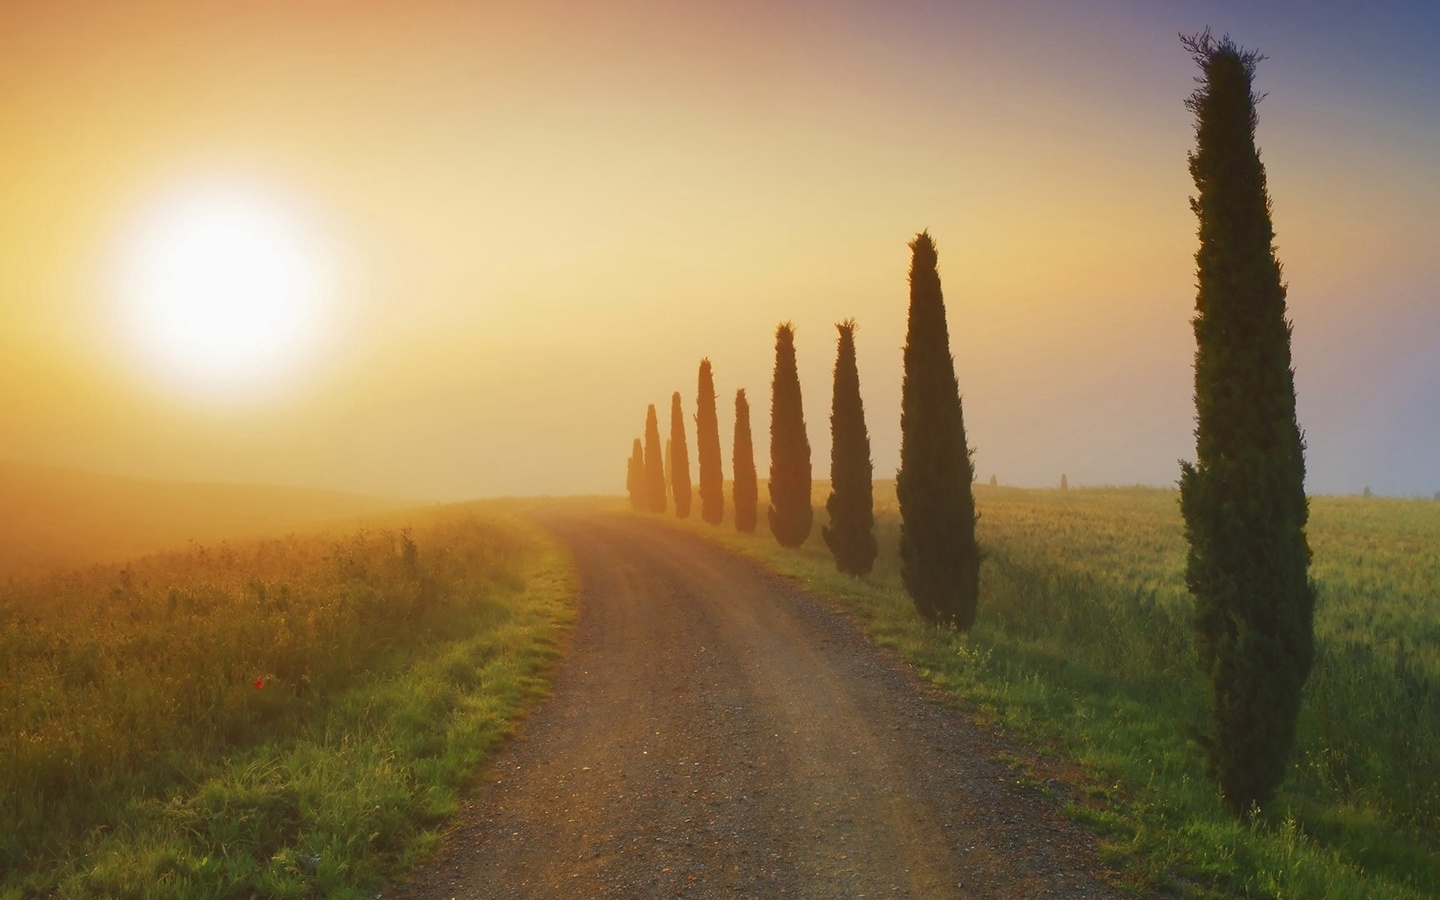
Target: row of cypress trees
{"points": [[850, 534], [1243, 500], [647, 480], [940, 559]]}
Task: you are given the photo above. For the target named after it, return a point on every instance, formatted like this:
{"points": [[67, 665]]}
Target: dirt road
{"points": [[716, 732]]}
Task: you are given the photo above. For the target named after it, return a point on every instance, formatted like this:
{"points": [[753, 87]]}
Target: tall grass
{"points": [[1084, 642], [283, 717]]}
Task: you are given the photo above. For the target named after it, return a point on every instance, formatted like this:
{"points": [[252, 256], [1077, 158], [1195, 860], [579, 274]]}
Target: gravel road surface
{"points": [[716, 732]]}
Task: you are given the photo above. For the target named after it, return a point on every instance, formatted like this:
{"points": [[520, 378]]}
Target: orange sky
{"points": [[545, 214]]}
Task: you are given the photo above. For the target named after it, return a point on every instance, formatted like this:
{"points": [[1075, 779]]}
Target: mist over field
{"points": [[58, 518]]}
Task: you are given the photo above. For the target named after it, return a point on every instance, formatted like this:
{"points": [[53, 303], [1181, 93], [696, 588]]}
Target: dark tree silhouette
{"points": [[747, 511], [1244, 498], [679, 460], [851, 532], [707, 449], [635, 478], [939, 558], [790, 512], [1064, 482], [654, 465]]}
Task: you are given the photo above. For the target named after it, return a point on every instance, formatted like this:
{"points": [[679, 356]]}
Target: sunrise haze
{"points": [[530, 221]]}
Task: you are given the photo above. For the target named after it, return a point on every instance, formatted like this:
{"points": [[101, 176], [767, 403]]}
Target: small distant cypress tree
{"points": [[654, 465], [994, 480], [707, 449], [790, 512], [679, 460], [851, 532], [1243, 500], [747, 511], [1064, 482], [635, 478], [939, 558]]}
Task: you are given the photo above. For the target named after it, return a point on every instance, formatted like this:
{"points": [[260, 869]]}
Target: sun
{"points": [[223, 288]]}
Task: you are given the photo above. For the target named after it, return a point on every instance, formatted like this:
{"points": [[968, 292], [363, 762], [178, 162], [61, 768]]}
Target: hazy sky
{"points": [[539, 217]]}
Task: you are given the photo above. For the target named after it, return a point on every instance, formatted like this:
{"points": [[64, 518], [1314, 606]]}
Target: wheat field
{"points": [[280, 717], [1084, 643]]}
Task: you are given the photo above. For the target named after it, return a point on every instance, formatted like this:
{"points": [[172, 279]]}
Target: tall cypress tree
{"points": [[851, 532], [1244, 498], [679, 460], [654, 465], [790, 512], [939, 558], [635, 478], [707, 448], [747, 511]]}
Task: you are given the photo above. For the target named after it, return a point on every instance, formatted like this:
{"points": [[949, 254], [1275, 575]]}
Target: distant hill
{"points": [[52, 518]]}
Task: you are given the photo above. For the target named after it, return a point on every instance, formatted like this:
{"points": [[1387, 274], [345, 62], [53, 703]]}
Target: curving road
{"points": [[716, 732]]}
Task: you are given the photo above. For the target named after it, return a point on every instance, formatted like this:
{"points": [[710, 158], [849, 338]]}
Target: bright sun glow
{"points": [[223, 289]]}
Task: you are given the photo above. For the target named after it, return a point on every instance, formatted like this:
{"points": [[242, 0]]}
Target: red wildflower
{"points": [[259, 683]]}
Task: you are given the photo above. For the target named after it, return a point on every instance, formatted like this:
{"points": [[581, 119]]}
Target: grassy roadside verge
{"points": [[1083, 650], [282, 718]]}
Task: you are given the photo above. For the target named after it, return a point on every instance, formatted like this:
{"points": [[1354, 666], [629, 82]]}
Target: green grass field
{"points": [[287, 717], [1084, 646]]}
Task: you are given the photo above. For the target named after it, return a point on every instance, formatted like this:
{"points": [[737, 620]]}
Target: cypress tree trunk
{"points": [[654, 465], [851, 532], [707, 449], [939, 558], [635, 478], [747, 511], [679, 460], [1244, 498], [790, 512]]}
